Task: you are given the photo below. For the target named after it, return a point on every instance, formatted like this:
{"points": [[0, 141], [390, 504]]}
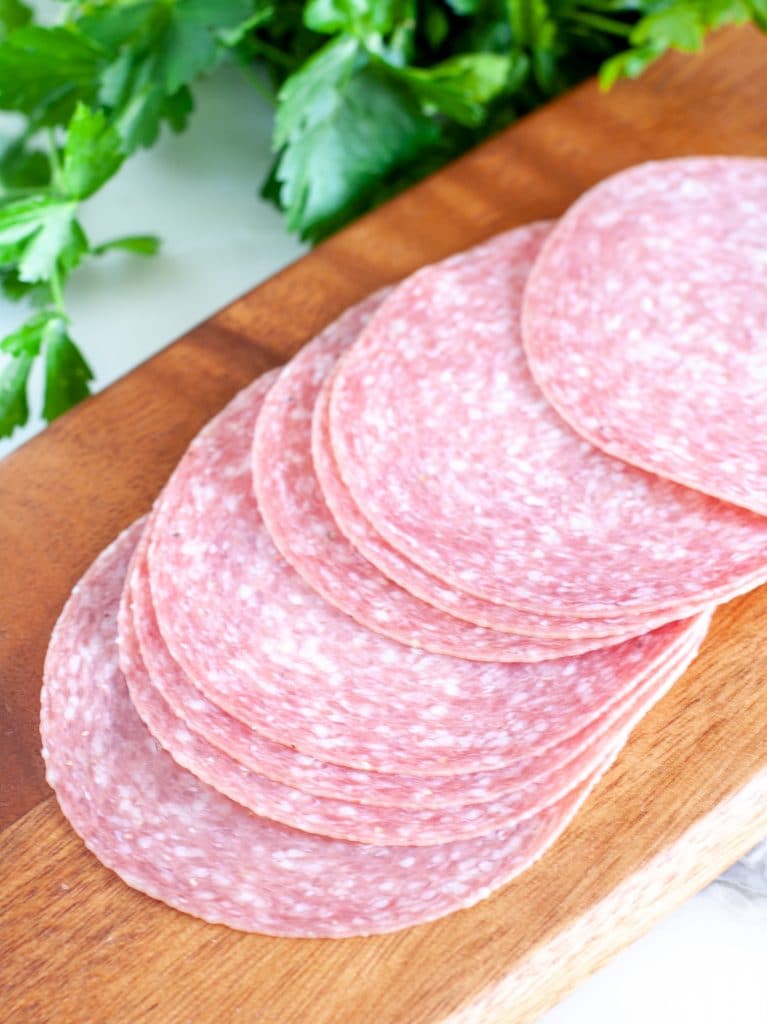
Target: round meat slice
{"points": [[394, 565], [282, 764], [171, 836], [343, 819], [262, 645], [302, 528], [452, 452], [645, 322]]}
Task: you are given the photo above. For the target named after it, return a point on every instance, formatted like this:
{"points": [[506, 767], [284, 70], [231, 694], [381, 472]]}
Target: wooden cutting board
{"points": [[686, 798]]}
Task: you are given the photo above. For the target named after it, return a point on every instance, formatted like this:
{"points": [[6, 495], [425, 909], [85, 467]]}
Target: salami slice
{"points": [[645, 322], [353, 525], [171, 836], [262, 645], [302, 528], [451, 451], [282, 764], [343, 819]]}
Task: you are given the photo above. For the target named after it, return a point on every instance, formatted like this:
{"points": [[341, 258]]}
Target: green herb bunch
{"points": [[369, 96]]}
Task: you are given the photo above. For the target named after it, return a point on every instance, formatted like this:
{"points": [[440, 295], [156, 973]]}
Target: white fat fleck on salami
{"points": [[646, 322], [304, 531], [453, 454], [171, 836], [262, 645], [283, 764]]}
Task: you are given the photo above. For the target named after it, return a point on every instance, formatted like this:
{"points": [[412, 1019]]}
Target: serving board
{"points": [[685, 799]]}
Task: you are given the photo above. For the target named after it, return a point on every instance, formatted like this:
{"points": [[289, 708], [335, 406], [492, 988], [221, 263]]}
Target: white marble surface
{"points": [[708, 961]]}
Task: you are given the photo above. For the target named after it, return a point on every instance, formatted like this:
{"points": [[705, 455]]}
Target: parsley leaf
{"points": [[309, 95], [27, 340], [92, 153], [143, 245], [681, 26], [757, 9], [45, 71], [54, 233], [156, 49], [21, 218], [14, 408], [23, 166], [37, 233], [139, 121], [462, 86], [22, 346], [674, 25], [342, 127], [67, 375], [357, 16], [14, 14]]}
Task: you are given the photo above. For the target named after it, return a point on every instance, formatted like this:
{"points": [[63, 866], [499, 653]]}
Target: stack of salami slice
{"points": [[401, 603]]}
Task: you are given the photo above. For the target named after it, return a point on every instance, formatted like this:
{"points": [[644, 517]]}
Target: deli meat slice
{"points": [[430, 589], [646, 322], [453, 454], [303, 529], [342, 818], [173, 837], [281, 763], [258, 642]]}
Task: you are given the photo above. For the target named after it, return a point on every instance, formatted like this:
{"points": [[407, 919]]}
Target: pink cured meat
{"points": [[451, 451], [262, 645], [283, 764], [343, 819], [350, 521], [645, 322], [302, 528], [169, 835]]}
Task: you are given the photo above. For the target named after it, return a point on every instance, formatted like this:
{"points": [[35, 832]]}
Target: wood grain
{"points": [[686, 798]]}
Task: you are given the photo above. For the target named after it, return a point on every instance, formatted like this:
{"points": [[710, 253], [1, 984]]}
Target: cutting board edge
{"points": [[588, 943]]}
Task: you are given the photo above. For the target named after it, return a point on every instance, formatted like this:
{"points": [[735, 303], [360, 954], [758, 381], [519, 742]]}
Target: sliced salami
{"points": [[645, 322], [282, 764], [262, 645], [429, 588], [453, 454], [342, 819], [173, 837], [302, 528]]}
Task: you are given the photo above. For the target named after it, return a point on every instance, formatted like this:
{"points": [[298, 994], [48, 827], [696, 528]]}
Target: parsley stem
{"points": [[601, 23], [262, 49], [263, 90], [56, 292], [54, 158]]}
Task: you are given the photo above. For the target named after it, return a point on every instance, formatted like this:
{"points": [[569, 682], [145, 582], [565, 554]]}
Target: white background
{"points": [[708, 961]]}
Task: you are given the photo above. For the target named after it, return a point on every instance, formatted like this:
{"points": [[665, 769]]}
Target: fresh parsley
{"points": [[369, 96]]}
